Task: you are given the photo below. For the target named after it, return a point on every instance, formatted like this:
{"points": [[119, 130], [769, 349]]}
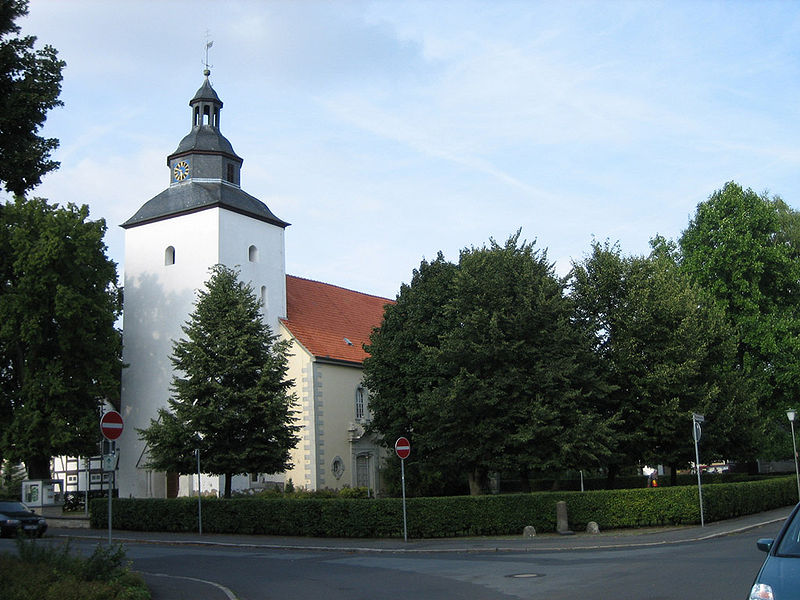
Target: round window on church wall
{"points": [[337, 466]]}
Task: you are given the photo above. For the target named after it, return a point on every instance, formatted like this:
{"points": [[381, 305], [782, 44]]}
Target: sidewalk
{"points": [[618, 538]]}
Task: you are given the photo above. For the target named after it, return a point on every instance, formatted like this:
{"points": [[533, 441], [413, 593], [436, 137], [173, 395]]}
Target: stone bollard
{"points": [[562, 523], [529, 531], [592, 527]]}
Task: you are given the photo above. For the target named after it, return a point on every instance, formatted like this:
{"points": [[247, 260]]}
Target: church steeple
{"points": [[205, 154], [206, 105], [202, 218], [204, 171]]}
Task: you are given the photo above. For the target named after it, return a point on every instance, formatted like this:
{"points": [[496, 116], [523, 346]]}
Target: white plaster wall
{"points": [[237, 234], [158, 299]]}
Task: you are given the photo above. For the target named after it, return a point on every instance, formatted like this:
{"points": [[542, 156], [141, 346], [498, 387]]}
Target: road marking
{"points": [[226, 591]]}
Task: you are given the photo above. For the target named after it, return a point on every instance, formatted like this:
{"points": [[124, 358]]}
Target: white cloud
{"points": [[387, 131]]}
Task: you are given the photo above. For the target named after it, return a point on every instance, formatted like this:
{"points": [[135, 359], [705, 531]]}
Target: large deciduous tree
{"points": [[231, 398], [60, 354], [668, 352], [482, 364], [401, 375], [30, 84], [744, 248]]}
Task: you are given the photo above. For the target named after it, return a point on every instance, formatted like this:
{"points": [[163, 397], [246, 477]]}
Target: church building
{"points": [[205, 218]]}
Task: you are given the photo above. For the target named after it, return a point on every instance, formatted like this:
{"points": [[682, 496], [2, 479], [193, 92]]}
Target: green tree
{"points": [[500, 379], [668, 352], [60, 354], [399, 373], [30, 84], [231, 398], [598, 289], [745, 248], [11, 478]]}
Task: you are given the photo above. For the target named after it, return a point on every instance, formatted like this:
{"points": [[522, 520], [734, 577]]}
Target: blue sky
{"points": [[387, 131]]}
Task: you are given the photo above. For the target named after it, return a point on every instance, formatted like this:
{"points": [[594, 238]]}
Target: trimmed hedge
{"points": [[448, 517], [624, 482]]}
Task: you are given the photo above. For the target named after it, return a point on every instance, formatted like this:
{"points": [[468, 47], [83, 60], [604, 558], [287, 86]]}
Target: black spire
{"points": [[204, 171], [205, 139]]}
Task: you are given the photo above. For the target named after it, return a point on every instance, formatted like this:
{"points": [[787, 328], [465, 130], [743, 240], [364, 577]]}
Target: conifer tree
{"points": [[231, 398]]}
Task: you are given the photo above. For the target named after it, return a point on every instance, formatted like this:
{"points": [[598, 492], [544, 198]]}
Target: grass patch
{"points": [[53, 572]]}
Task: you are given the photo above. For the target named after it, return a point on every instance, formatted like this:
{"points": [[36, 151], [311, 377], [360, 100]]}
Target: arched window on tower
{"points": [[169, 255], [252, 254], [196, 116], [206, 115], [264, 299]]}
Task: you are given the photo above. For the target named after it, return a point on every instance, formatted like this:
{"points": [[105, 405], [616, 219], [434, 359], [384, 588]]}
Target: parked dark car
{"points": [[779, 577], [17, 518]]}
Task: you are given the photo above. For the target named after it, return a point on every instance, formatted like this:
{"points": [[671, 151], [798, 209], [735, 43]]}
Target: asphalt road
{"points": [[718, 568], [721, 567]]}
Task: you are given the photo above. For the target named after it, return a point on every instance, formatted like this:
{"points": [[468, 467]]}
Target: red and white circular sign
{"points": [[111, 425], [403, 448]]}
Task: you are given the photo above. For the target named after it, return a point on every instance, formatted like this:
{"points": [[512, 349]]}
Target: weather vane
{"points": [[209, 43]]}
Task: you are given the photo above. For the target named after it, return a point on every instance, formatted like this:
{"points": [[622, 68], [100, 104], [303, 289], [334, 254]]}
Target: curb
{"points": [[432, 550]]}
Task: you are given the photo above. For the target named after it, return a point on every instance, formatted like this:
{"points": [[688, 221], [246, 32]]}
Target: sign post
{"points": [[199, 494], [697, 431], [403, 449], [111, 426]]}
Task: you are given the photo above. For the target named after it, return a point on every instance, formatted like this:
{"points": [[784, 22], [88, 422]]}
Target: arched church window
{"points": [[169, 255], [264, 298], [230, 173], [206, 115], [252, 254], [360, 407]]}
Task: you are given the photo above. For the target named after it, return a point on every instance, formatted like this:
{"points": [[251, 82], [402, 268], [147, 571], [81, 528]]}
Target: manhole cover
{"points": [[525, 575]]}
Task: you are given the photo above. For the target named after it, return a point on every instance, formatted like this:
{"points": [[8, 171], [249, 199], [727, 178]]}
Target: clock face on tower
{"points": [[181, 171]]}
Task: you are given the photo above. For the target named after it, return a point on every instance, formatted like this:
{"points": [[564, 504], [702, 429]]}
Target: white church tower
{"points": [[203, 218]]}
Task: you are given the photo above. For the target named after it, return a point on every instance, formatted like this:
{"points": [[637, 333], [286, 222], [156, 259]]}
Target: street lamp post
{"points": [[791, 414]]}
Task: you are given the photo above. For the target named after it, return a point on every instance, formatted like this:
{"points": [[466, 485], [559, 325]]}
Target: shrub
{"points": [[53, 572], [449, 516]]}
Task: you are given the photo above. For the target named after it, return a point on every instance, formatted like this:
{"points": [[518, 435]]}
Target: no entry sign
{"points": [[402, 447], [111, 425]]}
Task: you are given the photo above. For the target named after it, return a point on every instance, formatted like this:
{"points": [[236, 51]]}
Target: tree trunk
{"points": [[478, 481], [526, 481], [38, 467], [173, 484], [228, 480], [673, 475], [611, 476]]}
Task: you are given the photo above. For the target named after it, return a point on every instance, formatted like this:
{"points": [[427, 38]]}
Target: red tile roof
{"points": [[323, 317]]}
